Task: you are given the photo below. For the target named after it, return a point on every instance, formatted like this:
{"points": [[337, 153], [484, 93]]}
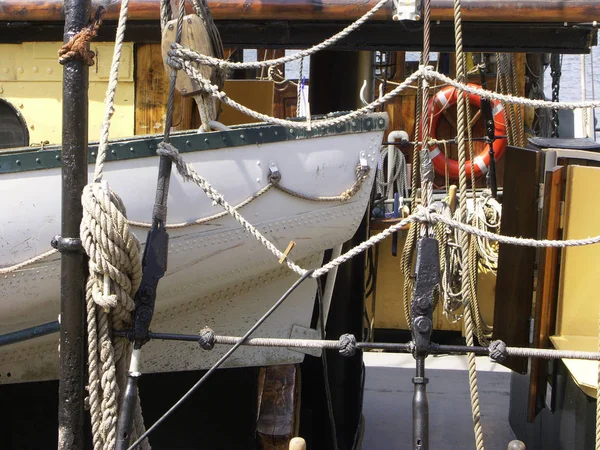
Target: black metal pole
{"points": [[420, 407], [73, 261]]}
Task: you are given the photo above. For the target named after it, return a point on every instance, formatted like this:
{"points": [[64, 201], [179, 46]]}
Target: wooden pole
{"points": [[73, 262], [324, 10]]}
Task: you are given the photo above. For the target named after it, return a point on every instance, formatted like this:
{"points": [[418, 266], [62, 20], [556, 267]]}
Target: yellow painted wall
{"points": [[389, 312], [578, 299], [31, 80]]}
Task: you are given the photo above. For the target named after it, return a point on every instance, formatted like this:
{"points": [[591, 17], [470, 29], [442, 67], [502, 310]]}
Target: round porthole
{"points": [[13, 129]]}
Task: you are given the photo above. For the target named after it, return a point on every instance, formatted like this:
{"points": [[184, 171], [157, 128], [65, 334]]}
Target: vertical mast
{"points": [[73, 264]]}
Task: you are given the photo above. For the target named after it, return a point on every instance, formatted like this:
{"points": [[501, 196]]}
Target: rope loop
{"points": [[347, 345], [498, 351], [206, 338]]}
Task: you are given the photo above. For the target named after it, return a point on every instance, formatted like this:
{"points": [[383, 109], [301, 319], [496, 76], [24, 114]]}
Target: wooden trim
{"points": [[547, 286], [324, 10], [278, 406], [514, 285]]}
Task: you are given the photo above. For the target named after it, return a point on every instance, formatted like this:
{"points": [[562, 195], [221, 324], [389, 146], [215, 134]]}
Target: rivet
{"points": [[18, 162], [171, 27], [20, 70], [188, 143], [258, 180], [183, 91], [49, 70], [206, 141], [260, 134], [275, 133], [57, 157], [258, 163], [93, 153], [114, 152], [291, 131], [189, 21], [38, 160], [35, 69], [131, 149], [241, 136]]}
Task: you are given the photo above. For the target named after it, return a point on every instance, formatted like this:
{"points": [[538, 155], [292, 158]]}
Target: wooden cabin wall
{"points": [[152, 93]]}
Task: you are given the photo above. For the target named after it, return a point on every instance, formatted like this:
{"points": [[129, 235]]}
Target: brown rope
{"points": [[78, 45]]}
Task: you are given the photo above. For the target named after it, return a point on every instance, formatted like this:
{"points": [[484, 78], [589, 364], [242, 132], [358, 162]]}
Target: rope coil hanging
{"points": [[115, 273]]}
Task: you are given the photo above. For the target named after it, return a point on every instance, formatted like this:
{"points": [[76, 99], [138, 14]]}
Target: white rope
{"points": [[213, 90], [187, 54], [189, 173], [111, 91], [422, 215], [491, 95], [173, 226], [115, 273], [22, 265]]}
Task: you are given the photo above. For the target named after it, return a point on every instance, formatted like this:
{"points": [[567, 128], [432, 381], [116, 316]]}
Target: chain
{"points": [[555, 73]]}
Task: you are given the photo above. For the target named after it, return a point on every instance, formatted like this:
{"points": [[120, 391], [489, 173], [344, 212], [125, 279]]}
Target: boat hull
{"points": [[218, 274]]}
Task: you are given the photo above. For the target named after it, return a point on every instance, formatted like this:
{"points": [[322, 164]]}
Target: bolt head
{"points": [[422, 324]]}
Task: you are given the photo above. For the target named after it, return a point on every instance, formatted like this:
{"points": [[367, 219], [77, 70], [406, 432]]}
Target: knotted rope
{"points": [[115, 272], [77, 47]]}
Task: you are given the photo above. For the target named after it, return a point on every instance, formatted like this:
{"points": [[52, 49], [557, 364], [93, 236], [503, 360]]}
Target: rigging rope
{"points": [[463, 237], [187, 54]]}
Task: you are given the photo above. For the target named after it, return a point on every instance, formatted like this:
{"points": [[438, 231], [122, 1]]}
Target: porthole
{"points": [[13, 129]]}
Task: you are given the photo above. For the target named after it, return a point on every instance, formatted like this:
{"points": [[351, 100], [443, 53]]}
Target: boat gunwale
{"points": [[143, 146]]}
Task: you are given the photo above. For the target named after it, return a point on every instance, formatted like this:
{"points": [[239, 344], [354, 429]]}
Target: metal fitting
{"points": [[67, 245]]}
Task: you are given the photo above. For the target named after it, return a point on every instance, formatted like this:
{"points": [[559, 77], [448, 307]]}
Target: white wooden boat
{"points": [[218, 275]]}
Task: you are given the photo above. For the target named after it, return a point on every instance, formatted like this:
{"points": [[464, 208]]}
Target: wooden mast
{"points": [[325, 10]]}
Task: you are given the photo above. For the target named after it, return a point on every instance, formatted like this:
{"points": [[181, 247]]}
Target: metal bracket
{"points": [[406, 10], [427, 271], [274, 174], [67, 245], [154, 266], [364, 164]]}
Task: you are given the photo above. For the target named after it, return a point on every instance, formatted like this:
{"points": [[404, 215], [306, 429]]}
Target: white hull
{"points": [[218, 275]]}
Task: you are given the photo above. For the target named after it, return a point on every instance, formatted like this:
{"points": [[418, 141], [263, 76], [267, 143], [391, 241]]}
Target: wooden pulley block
{"points": [[195, 37]]}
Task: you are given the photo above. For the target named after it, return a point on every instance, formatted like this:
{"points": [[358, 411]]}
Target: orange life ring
{"points": [[443, 100]]}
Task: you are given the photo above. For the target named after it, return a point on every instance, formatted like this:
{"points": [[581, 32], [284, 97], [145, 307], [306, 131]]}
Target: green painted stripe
{"points": [[188, 141]]}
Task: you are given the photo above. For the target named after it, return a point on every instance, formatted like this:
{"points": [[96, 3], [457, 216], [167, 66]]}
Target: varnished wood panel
{"points": [[152, 92], [547, 286], [514, 288], [472, 10]]}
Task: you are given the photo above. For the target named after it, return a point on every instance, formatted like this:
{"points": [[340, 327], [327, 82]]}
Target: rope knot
{"points": [[206, 338], [173, 61], [77, 47], [425, 214], [105, 301], [347, 345], [425, 72], [498, 351]]}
